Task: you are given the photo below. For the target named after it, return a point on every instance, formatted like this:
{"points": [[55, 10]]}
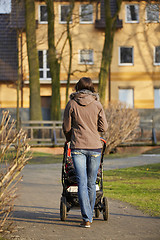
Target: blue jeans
{"points": [[86, 163]]}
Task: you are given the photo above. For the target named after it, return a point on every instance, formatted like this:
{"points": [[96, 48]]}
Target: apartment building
{"points": [[135, 69]]}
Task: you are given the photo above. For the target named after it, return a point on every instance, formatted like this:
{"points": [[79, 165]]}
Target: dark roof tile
{"points": [[8, 50], [17, 16]]}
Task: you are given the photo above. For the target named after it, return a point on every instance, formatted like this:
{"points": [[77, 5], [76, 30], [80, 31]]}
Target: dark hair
{"points": [[84, 83]]}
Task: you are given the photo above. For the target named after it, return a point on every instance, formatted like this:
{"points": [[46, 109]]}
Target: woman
{"points": [[84, 118]]}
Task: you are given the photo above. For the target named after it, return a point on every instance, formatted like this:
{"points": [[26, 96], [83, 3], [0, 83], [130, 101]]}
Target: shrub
{"points": [[13, 145], [122, 125]]}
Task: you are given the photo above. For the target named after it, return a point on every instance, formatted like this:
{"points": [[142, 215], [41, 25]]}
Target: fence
{"points": [[49, 133], [44, 133], [147, 131]]}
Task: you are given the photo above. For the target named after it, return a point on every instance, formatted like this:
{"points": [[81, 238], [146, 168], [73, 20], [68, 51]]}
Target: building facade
{"points": [[135, 68]]}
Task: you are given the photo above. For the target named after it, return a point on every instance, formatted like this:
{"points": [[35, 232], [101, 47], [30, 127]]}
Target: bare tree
{"points": [[53, 63], [110, 28], [35, 100], [122, 123], [69, 38]]}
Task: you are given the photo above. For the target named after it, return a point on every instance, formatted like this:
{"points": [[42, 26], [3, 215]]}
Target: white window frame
{"points": [[39, 14], [152, 21], [156, 63], [126, 64], [80, 13], [131, 102], [126, 13], [45, 69], [60, 21], [157, 97], [5, 6], [85, 62]]}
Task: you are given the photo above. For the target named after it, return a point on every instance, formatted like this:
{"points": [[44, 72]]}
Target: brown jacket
{"points": [[84, 117]]}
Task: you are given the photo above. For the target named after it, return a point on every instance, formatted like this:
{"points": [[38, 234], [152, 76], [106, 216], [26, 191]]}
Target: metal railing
{"points": [[148, 132], [44, 133], [50, 133]]}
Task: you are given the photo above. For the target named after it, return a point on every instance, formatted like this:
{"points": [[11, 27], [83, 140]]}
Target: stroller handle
{"points": [[103, 149], [103, 140]]}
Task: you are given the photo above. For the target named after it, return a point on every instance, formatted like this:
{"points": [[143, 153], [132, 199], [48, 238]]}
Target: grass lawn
{"points": [[119, 155], [45, 158], [37, 157], [139, 186]]}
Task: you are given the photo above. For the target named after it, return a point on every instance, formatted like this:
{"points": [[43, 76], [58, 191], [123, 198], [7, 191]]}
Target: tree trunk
{"points": [[69, 37], [35, 100], [110, 29], [53, 64], [18, 88]]}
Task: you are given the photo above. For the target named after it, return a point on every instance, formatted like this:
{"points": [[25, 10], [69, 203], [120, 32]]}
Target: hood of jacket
{"points": [[84, 97]]}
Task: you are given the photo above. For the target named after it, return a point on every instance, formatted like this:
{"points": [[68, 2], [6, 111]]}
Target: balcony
{"points": [[100, 24], [100, 15]]}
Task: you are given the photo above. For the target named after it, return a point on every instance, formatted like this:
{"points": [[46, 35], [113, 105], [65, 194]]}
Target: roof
{"points": [[17, 16], [8, 50]]}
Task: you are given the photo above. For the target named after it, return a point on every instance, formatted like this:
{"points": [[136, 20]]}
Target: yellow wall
{"points": [[8, 95], [83, 36], [143, 76]]}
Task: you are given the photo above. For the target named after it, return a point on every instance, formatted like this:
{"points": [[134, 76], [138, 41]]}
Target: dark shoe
{"points": [[85, 224]]}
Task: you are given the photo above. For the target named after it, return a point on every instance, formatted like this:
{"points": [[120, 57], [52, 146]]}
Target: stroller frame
{"points": [[69, 197]]}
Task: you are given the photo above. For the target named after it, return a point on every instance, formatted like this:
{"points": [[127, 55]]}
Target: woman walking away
{"points": [[84, 118]]}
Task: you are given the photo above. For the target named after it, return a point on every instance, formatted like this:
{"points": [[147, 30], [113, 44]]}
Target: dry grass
{"points": [[10, 170]]}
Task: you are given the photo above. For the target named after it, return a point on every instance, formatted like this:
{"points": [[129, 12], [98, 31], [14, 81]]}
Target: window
{"points": [[127, 96], [64, 12], [152, 13], [43, 16], [86, 56], [132, 13], [157, 98], [86, 13], [44, 70], [5, 6], [157, 55], [125, 56]]}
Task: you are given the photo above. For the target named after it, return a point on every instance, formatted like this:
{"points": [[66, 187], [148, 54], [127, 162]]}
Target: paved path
{"points": [[37, 210], [117, 163]]}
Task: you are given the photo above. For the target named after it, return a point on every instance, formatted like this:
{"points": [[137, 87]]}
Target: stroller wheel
{"points": [[63, 209], [105, 209], [97, 212]]}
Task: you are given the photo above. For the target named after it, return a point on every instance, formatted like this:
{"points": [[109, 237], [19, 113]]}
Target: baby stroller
{"points": [[69, 197]]}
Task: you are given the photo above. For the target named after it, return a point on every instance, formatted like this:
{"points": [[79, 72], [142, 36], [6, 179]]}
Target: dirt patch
{"points": [[123, 150], [51, 150], [136, 149]]}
